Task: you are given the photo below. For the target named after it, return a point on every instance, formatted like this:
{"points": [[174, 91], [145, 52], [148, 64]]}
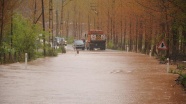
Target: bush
{"points": [[25, 35], [181, 66], [110, 45], [183, 80], [70, 40], [51, 52], [38, 55], [163, 58]]}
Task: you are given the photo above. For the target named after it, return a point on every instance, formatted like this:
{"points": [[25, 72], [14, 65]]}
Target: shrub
{"points": [[51, 52], [110, 45], [163, 58], [183, 80], [25, 35], [181, 67], [38, 55], [70, 40]]}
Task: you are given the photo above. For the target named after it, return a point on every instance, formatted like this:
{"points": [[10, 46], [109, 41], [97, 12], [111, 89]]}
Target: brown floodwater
{"points": [[90, 77]]}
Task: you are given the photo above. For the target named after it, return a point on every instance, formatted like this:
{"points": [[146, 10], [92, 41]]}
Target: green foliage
{"points": [[162, 58], [70, 40], [38, 55], [173, 71], [58, 50], [110, 45], [179, 72], [181, 66], [183, 80], [51, 52], [25, 35], [5, 48]]}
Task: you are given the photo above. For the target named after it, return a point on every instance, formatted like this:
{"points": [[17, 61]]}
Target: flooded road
{"points": [[91, 77]]}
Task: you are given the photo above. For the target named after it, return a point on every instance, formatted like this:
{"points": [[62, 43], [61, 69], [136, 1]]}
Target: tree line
{"points": [[141, 25], [136, 25]]}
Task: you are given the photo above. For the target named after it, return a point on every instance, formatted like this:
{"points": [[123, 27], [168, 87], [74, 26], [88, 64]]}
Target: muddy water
{"points": [[108, 77]]}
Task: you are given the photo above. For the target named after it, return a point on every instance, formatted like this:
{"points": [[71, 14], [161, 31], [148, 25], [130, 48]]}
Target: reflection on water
{"points": [[96, 77]]}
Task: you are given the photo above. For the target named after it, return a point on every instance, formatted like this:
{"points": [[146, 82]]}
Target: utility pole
{"points": [[43, 19]]}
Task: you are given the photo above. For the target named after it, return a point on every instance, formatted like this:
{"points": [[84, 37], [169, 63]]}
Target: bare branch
{"points": [[38, 19]]}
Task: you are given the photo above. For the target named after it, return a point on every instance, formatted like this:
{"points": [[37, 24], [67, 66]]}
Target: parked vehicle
{"points": [[96, 39], [79, 44], [58, 41]]}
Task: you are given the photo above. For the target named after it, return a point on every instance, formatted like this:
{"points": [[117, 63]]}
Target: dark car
{"points": [[79, 44]]}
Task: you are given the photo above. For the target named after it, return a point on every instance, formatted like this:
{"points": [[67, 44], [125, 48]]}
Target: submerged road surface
{"points": [[91, 77]]}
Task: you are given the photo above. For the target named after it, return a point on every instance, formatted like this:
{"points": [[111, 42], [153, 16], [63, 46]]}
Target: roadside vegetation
{"points": [[21, 32], [25, 39], [181, 71]]}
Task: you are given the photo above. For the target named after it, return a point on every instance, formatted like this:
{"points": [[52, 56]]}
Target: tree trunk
{"points": [[43, 19], [140, 42], [184, 42], [137, 32], [125, 33], [2, 22], [61, 21], [130, 36]]}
